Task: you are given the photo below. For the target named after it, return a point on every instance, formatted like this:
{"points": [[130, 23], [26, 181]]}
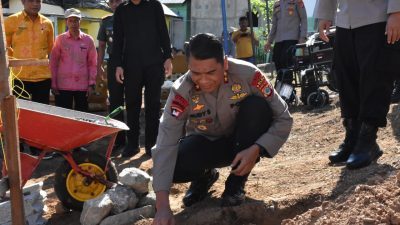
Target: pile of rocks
{"points": [[127, 203], [34, 198]]}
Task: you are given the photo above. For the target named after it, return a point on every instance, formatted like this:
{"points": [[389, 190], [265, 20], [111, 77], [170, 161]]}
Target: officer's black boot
{"points": [[352, 127], [366, 149], [198, 189], [234, 193], [396, 92]]}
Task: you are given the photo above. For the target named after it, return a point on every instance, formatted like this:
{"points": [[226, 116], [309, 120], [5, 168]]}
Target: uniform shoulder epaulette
{"points": [[183, 84], [106, 17]]}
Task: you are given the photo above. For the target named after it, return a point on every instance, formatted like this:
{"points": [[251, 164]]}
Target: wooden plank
{"points": [[11, 145], [4, 71], [10, 128], [28, 62]]}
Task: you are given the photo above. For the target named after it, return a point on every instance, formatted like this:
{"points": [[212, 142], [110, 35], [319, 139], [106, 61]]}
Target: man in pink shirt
{"points": [[73, 65]]}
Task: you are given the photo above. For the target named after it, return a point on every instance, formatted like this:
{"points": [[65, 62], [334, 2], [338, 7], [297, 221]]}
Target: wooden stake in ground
{"points": [[10, 133]]}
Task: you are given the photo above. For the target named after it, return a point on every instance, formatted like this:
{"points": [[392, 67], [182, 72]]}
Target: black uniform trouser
{"points": [[69, 99], [197, 153], [151, 78], [364, 90], [282, 56], [116, 99], [39, 91]]}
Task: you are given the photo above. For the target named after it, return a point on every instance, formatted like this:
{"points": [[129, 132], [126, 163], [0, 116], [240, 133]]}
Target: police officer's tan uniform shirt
{"points": [[356, 13], [289, 21], [213, 116]]}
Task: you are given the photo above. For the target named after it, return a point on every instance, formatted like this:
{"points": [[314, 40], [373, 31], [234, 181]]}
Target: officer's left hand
{"points": [[393, 28], [168, 67], [245, 160]]}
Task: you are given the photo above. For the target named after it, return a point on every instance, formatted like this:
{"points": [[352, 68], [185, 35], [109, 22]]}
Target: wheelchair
{"points": [[311, 69]]}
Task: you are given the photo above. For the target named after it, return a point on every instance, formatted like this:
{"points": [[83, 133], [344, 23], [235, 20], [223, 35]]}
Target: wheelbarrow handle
{"points": [[114, 113]]}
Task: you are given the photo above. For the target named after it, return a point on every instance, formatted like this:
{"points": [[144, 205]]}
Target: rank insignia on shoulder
{"points": [[262, 84], [178, 105]]}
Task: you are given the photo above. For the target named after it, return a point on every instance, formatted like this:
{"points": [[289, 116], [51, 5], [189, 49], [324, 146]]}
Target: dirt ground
{"points": [[298, 186]]}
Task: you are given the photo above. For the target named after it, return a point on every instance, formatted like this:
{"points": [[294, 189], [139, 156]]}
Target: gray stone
{"points": [[94, 210], [33, 205], [149, 199], [130, 217], [135, 178], [122, 198]]}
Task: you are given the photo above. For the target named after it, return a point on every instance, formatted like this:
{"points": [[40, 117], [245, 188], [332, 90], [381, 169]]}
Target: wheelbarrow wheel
{"points": [[73, 189]]}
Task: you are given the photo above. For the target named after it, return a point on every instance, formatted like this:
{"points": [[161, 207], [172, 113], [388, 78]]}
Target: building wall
{"points": [[206, 15]]}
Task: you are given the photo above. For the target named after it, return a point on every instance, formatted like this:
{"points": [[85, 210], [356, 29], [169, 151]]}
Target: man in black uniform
{"points": [[142, 55], [115, 89]]}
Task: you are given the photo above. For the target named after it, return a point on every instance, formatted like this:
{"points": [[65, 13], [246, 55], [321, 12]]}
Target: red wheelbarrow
{"points": [[83, 175]]}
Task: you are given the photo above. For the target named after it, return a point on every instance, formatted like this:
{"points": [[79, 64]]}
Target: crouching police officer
{"points": [[365, 64], [222, 112]]}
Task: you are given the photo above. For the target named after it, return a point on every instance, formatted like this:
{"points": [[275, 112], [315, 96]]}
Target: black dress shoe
{"points": [[198, 189], [233, 198], [366, 150], [234, 193], [341, 155], [362, 159]]}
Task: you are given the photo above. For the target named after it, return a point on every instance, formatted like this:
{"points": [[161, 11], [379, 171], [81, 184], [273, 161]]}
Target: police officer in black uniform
{"points": [[366, 60]]}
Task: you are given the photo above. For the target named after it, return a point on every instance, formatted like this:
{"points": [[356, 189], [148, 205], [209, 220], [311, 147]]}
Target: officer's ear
{"points": [[226, 63]]}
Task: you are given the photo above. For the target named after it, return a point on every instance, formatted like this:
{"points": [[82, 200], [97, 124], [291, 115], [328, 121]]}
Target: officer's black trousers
{"points": [[283, 54], [197, 153], [364, 90], [116, 98], [39, 91], [151, 78]]}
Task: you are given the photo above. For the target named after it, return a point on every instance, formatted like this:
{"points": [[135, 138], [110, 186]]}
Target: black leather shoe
{"points": [[352, 127], [130, 151], [198, 189], [234, 193], [366, 150], [362, 159], [233, 199]]}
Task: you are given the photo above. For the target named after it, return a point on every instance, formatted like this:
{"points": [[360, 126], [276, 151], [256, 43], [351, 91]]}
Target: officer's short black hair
{"points": [[243, 18], [206, 46]]}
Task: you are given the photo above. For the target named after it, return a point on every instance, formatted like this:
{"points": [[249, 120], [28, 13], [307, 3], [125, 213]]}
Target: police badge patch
{"points": [[262, 84], [178, 105]]}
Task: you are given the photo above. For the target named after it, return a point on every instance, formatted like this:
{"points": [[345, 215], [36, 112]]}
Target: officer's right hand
{"points": [[323, 26], [164, 216], [119, 74]]}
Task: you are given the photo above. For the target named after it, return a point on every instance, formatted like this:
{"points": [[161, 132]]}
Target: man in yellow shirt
{"points": [[242, 39], [30, 35]]}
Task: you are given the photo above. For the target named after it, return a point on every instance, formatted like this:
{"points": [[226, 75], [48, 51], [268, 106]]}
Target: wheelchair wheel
{"points": [[318, 98]]}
